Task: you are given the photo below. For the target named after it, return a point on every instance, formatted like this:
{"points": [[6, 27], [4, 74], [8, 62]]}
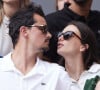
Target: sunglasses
{"points": [[67, 35], [43, 28]]}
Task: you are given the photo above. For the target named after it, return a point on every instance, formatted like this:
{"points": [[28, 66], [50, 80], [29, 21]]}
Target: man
{"points": [[78, 10], [22, 69]]}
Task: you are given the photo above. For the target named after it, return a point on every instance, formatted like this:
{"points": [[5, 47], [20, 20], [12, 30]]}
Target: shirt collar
{"points": [[39, 68], [7, 65], [94, 68]]}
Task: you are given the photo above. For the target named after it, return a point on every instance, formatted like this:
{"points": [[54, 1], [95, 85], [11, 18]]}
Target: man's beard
{"points": [[45, 49]]}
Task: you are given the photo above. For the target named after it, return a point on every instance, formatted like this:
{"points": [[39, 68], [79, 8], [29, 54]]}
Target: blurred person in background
{"points": [[79, 10], [7, 9], [60, 4]]}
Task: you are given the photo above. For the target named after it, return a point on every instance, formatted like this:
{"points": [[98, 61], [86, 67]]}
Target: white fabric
{"points": [[43, 76], [91, 73], [5, 40]]}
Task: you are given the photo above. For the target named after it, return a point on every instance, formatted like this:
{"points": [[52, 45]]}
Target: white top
{"points": [[5, 40], [43, 76], [91, 73]]}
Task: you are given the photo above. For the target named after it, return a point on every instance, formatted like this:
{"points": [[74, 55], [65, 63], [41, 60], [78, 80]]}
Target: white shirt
{"points": [[43, 76], [91, 73], [5, 40]]}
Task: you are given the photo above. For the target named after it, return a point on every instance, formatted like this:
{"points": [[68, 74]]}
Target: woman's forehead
{"points": [[71, 28]]}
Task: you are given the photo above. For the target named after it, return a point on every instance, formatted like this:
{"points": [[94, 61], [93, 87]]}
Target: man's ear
{"points": [[23, 30], [84, 47]]}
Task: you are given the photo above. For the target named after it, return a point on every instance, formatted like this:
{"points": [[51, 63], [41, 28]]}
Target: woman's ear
{"points": [[84, 47]]}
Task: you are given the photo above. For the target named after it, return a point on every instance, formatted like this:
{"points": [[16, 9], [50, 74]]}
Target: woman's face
{"points": [[70, 44]]}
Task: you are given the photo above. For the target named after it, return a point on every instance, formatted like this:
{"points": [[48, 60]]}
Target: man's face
{"points": [[38, 35]]}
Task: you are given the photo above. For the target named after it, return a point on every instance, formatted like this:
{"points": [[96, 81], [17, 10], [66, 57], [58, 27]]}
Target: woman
{"points": [[77, 45], [7, 9]]}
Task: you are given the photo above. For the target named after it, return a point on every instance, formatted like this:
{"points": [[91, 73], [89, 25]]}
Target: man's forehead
{"points": [[38, 18]]}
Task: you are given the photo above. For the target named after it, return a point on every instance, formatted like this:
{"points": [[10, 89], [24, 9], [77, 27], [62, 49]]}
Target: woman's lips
{"points": [[60, 45]]}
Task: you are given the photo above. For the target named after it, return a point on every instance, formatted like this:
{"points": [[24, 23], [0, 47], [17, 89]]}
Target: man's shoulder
{"points": [[1, 61], [51, 66], [4, 61]]}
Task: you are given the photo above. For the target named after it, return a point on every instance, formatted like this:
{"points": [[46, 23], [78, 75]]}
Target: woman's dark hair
{"points": [[24, 17], [88, 37]]}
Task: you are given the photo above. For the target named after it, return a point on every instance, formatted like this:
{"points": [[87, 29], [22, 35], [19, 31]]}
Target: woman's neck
{"points": [[74, 66], [10, 8]]}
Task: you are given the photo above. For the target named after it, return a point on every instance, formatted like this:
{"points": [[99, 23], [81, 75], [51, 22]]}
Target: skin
{"points": [[43, 41], [10, 7], [60, 4], [97, 86], [26, 52], [69, 44], [8, 1], [71, 50]]}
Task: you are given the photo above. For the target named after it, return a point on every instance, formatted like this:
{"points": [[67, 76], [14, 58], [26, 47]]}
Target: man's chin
{"points": [[44, 49]]}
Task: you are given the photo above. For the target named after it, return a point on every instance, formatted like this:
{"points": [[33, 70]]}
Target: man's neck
{"points": [[23, 60]]}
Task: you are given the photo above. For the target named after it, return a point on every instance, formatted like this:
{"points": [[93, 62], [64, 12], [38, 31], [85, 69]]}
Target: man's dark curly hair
{"points": [[23, 17]]}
